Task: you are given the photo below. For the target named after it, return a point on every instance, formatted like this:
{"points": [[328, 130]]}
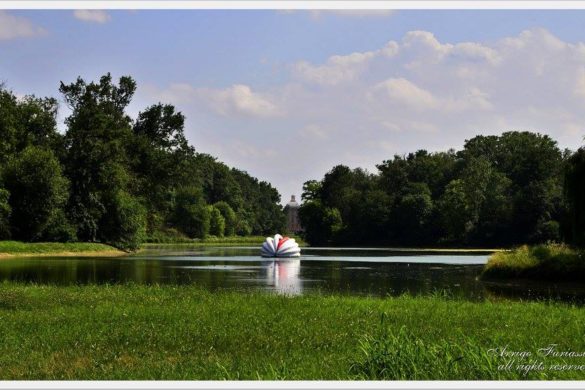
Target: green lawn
{"points": [[18, 248], [553, 262], [174, 332]]}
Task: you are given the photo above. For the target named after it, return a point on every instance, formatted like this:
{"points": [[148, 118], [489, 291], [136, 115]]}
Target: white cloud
{"points": [[239, 99], [12, 27], [413, 92], [235, 101], [93, 16]]}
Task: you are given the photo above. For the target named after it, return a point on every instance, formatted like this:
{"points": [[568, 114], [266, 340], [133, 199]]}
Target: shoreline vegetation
{"points": [[10, 249], [551, 262], [185, 332]]}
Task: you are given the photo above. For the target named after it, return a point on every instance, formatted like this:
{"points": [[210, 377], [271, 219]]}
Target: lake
{"points": [[356, 271]]}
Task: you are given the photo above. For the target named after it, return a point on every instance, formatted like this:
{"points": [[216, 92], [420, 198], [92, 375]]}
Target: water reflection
{"points": [[283, 276], [342, 271]]}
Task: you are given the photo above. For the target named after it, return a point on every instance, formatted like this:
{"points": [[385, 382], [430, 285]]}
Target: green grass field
{"points": [[174, 332], [17, 248], [553, 262]]}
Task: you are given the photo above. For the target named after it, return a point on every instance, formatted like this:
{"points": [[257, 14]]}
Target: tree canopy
{"points": [[114, 179], [498, 190]]}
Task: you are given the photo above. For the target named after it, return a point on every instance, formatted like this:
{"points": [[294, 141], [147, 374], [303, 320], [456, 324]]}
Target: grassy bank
{"points": [[543, 262], [142, 332], [27, 249], [212, 241]]}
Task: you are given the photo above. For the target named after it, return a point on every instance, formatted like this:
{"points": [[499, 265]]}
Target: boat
{"points": [[279, 246]]}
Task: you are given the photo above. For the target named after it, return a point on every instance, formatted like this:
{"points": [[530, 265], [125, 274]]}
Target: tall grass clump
{"points": [[555, 262], [401, 355]]}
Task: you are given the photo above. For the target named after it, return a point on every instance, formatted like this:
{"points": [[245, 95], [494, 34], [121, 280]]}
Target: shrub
{"points": [[124, 223], [5, 211], [37, 190], [229, 216], [192, 216], [216, 222]]}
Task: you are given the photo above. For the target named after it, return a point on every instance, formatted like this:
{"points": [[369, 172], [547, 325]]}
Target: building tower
{"points": [[291, 209]]}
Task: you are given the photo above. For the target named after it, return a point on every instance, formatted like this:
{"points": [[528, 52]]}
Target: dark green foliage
{"points": [[498, 190], [575, 194], [123, 225], [5, 211], [216, 222], [38, 191], [96, 161], [192, 216], [323, 223], [229, 217], [113, 180]]}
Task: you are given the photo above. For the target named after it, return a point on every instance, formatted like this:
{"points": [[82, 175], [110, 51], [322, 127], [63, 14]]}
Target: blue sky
{"points": [[287, 95]]}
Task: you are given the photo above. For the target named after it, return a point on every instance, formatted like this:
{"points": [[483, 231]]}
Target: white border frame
{"points": [[289, 5], [294, 4]]}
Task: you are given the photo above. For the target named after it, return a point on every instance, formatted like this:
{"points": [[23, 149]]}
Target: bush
{"points": [[541, 262], [124, 223], [216, 222], [192, 216], [5, 211], [229, 216], [59, 229], [37, 191]]}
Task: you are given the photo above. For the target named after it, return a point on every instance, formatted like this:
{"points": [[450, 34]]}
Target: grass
{"points": [[214, 241], [17, 248], [552, 262], [184, 332]]}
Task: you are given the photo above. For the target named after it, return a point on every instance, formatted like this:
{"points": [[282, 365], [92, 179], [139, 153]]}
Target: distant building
{"points": [[291, 209]]}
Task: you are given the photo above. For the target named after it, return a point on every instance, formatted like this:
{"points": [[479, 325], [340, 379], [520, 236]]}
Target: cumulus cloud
{"points": [[93, 16], [413, 92], [236, 101], [12, 27]]}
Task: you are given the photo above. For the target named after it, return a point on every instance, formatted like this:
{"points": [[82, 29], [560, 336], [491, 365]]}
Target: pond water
{"points": [[355, 271]]}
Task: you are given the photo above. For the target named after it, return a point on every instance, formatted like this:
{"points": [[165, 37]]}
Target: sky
{"points": [[287, 95]]}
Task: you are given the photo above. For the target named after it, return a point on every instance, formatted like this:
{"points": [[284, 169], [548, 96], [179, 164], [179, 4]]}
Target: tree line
{"points": [[114, 179], [516, 188]]}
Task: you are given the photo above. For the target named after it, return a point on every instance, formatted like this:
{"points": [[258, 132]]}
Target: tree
{"points": [[123, 225], [321, 223], [229, 217], [5, 211], [216, 222], [96, 162], [160, 158], [38, 191], [575, 195], [192, 216], [29, 121]]}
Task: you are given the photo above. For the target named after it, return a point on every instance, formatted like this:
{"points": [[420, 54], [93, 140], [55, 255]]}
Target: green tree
{"points": [[216, 222], [229, 217], [321, 224], [96, 162], [192, 216], [38, 192], [575, 195], [123, 225], [5, 211]]}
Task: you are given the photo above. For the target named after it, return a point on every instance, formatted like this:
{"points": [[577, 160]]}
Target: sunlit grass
{"points": [[19, 248], [547, 262], [184, 332]]}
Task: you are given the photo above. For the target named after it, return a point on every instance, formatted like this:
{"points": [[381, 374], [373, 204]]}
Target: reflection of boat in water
{"points": [[283, 275]]}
